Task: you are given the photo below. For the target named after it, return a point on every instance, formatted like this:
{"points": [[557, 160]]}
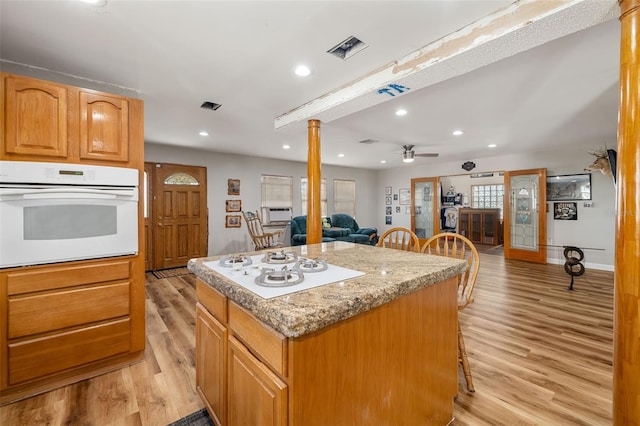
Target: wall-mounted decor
{"points": [[405, 196], [397, 209], [387, 200], [233, 186], [233, 221], [565, 211], [387, 190], [569, 187], [234, 205], [395, 197], [387, 220], [388, 210], [468, 166]]}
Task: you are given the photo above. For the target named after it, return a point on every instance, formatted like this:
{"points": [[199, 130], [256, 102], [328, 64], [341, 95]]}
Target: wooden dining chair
{"points": [[458, 247], [399, 238], [261, 240]]}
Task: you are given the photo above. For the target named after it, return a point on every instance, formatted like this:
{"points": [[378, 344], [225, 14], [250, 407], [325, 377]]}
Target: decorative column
{"points": [[626, 346], [314, 214]]}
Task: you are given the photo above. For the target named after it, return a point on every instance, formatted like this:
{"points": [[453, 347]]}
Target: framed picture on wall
{"points": [[387, 190], [234, 205], [387, 220], [387, 200], [569, 187], [233, 187], [565, 211], [405, 196], [233, 221], [388, 210]]}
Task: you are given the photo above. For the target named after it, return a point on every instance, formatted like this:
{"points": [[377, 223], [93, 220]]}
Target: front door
{"points": [[179, 212], [525, 215]]}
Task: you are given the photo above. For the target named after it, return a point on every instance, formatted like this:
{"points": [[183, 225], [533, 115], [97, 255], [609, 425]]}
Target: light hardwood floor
{"points": [[539, 354]]}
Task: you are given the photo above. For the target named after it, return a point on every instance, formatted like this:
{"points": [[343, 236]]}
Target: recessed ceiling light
{"points": [[458, 132], [286, 146], [302, 70], [401, 112], [203, 133], [98, 3], [493, 145], [340, 155], [383, 161]]}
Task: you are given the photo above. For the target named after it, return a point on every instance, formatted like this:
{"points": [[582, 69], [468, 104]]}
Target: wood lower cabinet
{"points": [[481, 226], [46, 121], [257, 396], [68, 321], [378, 367], [211, 364]]}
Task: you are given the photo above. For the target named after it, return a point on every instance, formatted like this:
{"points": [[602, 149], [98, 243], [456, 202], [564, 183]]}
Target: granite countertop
{"points": [[389, 274]]}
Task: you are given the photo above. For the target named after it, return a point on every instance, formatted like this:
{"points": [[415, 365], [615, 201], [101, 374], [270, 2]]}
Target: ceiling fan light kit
{"points": [[468, 166], [408, 154]]}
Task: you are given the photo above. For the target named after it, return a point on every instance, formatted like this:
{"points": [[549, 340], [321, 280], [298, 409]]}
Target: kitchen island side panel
{"points": [[393, 365]]}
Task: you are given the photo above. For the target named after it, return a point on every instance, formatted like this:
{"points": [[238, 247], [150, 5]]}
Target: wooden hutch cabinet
{"points": [[64, 322], [481, 226]]}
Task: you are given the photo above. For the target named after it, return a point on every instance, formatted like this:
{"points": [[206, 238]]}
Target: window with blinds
{"points": [[344, 196], [487, 197], [277, 191], [304, 182]]}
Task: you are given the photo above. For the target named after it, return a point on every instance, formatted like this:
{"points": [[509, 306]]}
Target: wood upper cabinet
{"points": [[104, 127], [46, 121], [35, 117]]}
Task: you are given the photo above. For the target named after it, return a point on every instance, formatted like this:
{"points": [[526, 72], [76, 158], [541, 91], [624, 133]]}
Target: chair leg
{"points": [[462, 357]]}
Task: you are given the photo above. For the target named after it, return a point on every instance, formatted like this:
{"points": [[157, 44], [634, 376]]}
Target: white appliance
{"points": [[276, 215], [53, 212]]}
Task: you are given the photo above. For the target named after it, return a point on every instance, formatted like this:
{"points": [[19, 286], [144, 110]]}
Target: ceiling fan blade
{"points": [[428, 154]]}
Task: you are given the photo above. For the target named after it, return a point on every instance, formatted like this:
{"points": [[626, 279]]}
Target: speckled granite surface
{"points": [[389, 274]]}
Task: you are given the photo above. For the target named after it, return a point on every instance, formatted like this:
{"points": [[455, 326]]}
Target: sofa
{"points": [[341, 227]]}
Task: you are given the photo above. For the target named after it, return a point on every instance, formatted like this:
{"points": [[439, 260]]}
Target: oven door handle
{"points": [[58, 193]]}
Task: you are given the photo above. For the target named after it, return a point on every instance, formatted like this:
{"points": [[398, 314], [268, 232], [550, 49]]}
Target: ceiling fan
{"points": [[408, 154]]}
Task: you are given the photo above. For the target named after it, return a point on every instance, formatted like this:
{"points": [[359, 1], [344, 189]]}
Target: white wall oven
{"points": [[51, 212]]}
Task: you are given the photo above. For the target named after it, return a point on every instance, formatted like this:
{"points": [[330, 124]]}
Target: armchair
{"points": [[356, 234], [299, 232]]}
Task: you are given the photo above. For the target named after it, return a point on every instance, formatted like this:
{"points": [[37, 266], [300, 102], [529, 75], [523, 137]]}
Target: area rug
{"points": [[199, 418], [173, 272]]}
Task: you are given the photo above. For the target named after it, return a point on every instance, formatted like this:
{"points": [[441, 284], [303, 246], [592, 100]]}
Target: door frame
{"points": [[151, 222], [539, 256]]}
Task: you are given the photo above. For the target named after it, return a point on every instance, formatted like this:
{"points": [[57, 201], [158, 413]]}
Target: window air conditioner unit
{"points": [[276, 215]]}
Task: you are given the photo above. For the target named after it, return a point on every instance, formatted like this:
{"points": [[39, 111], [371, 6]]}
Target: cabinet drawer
{"points": [[212, 299], [266, 343], [39, 357], [52, 311], [55, 277]]}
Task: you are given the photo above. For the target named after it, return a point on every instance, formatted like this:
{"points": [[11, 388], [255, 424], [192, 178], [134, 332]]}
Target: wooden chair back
{"points": [[459, 247], [399, 238], [261, 240]]}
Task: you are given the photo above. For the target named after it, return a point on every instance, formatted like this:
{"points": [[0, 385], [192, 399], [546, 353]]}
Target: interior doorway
{"points": [[176, 217]]}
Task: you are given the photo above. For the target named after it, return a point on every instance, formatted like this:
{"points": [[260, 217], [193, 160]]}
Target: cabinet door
{"points": [[256, 395], [475, 234], [211, 361], [35, 118], [104, 127], [489, 232]]}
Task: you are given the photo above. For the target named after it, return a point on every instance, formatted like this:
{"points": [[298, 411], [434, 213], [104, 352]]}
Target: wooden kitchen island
{"points": [[379, 349]]}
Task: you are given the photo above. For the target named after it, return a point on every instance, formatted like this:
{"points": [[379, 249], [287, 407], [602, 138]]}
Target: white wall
{"points": [[594, 229], [221, 167]]}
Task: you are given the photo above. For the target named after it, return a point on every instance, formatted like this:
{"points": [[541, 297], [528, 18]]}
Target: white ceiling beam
{"points": [[521, 26]]}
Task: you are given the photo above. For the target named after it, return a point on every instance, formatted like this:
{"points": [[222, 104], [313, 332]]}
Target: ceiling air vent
{"points": [[210, 105], [348, 48]]}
